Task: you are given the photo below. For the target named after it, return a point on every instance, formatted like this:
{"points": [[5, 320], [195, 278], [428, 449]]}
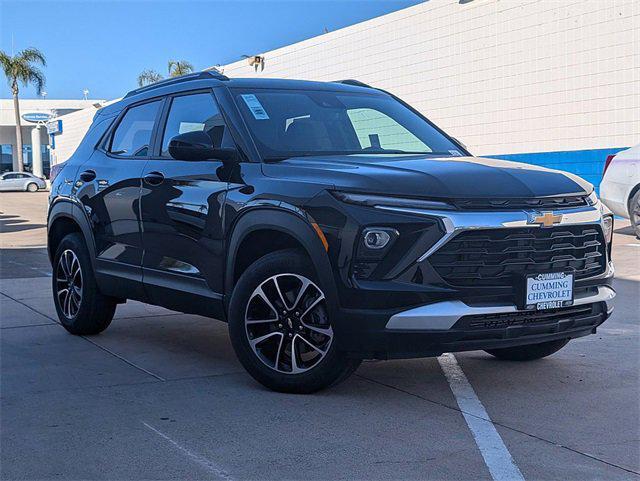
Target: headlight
{"points": [[388, 201], [607, 227], [592, 199]]}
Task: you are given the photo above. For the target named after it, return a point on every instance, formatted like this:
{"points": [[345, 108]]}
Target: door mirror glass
{"points": [[197, 145]]}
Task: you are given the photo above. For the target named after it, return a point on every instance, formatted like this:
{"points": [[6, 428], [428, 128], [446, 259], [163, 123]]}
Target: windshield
{"points": [[289, 123]]}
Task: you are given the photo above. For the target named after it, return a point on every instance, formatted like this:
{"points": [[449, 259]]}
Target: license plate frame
{"points": [[552, 290]]}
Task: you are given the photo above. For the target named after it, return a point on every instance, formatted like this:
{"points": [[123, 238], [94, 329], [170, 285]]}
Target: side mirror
{"points": [[197, 145]]}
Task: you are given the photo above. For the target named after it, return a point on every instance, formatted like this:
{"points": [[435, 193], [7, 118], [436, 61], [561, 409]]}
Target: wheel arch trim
{"points": [[64, 208], [287, 222]]}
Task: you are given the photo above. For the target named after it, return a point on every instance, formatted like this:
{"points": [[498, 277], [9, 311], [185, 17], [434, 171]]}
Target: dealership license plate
{"points": [[549, 291]]}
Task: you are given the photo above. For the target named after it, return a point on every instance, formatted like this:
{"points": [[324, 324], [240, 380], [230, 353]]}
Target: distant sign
{"points": [[36, 117], [54, 127]]}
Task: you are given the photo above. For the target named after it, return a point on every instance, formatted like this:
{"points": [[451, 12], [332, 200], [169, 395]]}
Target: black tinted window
{"points": [[197, 112], [132, 137]]}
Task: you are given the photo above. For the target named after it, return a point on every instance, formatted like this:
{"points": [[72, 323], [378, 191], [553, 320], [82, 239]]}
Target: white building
{"points": [[73, 127], [35, 113], [543, 81]]}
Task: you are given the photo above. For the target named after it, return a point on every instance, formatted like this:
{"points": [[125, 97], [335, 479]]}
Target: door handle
{"points": [[154, 178], [88, 175]]}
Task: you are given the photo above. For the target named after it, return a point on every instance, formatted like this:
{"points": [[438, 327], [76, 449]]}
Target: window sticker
{"points": [[455, 153], [258, 111], [190, 127]]}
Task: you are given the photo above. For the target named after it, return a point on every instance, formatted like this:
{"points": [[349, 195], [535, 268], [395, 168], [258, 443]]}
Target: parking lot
{"points": [[160, 395]]}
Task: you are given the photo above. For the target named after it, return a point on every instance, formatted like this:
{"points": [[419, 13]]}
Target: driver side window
{"points": [[196, 112]]}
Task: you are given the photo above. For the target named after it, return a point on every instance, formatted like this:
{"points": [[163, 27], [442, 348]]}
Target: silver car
{"points": [[21, 181]]}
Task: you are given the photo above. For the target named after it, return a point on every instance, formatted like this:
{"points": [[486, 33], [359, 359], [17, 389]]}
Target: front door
{"points": [[181, 207]]}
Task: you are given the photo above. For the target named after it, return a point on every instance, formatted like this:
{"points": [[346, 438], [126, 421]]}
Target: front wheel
{"points": [[280, 328], [529, 352]]}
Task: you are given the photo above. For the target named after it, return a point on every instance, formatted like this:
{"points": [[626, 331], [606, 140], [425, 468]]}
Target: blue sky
{"points": [[104, 45]]}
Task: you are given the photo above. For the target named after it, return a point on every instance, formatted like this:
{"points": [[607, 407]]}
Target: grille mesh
{"points": [[523, 318], [562, 202], [497, 257]]}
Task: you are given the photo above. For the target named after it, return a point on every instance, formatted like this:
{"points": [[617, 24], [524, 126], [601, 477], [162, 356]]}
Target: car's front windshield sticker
{"points": [[258, 111]]}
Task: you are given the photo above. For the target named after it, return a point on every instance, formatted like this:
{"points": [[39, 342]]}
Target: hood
{"points": [[433, 177]]}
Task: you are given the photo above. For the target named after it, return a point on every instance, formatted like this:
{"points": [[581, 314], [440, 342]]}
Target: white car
{"points": [[21, 181], [620, 187]]}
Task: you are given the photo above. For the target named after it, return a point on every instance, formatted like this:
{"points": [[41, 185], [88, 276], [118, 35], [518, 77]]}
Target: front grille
{"points": [[500, 257], [562, 202]]}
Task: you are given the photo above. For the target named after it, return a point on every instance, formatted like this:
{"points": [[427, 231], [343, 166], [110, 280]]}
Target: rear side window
{"points": [[195, 112], [132, 137]]}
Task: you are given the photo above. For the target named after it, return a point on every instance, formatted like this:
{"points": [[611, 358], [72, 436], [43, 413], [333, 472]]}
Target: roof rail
{"points": [[357, 83], [208, 74]]}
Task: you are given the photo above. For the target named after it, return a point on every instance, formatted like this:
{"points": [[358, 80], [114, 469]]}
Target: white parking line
{"points": [[495, 453], [209, 465]]}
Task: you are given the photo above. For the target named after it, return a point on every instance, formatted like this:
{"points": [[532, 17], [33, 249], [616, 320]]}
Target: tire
{"points": [[32, 187], [295, 327], [634, 213], [529, 352], [82, 309]]}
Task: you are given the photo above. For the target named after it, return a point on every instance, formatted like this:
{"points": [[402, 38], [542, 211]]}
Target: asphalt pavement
{"points": [[160, 395]]}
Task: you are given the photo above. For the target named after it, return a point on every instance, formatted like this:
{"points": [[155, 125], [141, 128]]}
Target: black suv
{"points": [[325, 223]]}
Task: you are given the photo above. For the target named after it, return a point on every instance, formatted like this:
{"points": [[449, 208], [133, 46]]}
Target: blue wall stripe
{"points": [[588, 164]]}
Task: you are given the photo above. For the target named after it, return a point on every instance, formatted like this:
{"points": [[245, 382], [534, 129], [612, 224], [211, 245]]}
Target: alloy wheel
{"points": [[287, 323], [69, 283]]}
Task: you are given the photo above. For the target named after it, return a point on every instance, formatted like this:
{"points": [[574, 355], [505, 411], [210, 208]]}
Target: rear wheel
{"points": [[32, 187], [280, 328], [529, 352], [634, 213], [81, 307]]}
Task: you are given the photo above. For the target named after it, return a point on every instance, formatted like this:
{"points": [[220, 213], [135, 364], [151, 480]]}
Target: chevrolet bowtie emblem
{"points": [[545, 219]]}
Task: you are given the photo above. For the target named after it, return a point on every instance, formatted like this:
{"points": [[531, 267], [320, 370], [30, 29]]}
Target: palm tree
{"points": [[179, 67], [22, 68], [176, 68], [148, 77]]}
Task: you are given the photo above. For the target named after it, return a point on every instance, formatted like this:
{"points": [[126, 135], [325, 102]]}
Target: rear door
{"points": [[109, 185], [181, 207]]}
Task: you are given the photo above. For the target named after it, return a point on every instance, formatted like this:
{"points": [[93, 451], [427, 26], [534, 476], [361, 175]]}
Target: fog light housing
{"points": [[607, 228], [376, 239]]}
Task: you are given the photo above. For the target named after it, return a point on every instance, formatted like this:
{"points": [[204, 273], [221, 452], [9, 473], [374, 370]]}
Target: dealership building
{"points": [[551, 83], [539, 81], [36, 143]]}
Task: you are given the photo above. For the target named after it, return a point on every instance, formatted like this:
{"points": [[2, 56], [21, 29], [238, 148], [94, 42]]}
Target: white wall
{"points": [[503, 76]]}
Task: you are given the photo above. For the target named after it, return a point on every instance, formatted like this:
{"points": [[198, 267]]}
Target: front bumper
{"points": [[452, 326]]}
